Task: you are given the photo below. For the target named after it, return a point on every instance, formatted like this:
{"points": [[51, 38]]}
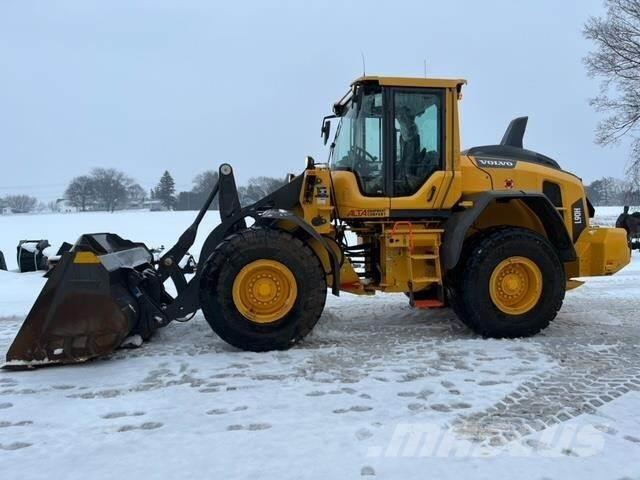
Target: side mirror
{"points": [[326, 131], [310, 163]]}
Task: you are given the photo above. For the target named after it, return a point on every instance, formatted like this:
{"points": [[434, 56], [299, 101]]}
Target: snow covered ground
{"points": [[378, 389]]}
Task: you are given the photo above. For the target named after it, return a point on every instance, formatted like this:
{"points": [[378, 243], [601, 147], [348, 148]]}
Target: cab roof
{"points": [[411, 82]]}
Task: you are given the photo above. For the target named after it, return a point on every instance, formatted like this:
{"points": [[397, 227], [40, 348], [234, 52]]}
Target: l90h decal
{"points": [[578, 219]]}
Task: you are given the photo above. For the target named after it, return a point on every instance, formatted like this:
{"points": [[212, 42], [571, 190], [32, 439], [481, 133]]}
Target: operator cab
{"points": [[391, 134]]}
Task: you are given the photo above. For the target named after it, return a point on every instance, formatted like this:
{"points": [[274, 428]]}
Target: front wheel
{"points": [[510, 284], [262, 289]]}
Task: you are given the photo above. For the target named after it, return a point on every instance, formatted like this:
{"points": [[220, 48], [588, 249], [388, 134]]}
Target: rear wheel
{"points": [[510, 284], [262, 289]]}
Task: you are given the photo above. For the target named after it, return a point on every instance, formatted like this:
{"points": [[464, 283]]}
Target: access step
{"points": [[424, 256], [427, 304], [426, 280]]}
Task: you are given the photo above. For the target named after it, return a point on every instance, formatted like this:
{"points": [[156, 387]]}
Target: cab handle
{"points": [[432, 193]]}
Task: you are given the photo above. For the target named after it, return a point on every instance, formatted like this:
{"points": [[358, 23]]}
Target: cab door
{"points": [[419, 159], [359, 162]]}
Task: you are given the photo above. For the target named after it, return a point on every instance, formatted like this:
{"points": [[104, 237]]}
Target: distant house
{"points": [[64, 206], [154, 205], [136, 204], [4, 209]]}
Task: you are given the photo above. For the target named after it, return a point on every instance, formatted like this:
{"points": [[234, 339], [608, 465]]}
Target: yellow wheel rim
{"points": [[264, 291], [516, 285]]}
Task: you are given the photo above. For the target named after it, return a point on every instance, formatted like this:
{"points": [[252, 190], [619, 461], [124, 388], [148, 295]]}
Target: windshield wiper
{"points": [[341, 105], [332, 147]]}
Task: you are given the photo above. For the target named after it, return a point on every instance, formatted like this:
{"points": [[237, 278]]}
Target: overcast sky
{"points": [[145, 86]]}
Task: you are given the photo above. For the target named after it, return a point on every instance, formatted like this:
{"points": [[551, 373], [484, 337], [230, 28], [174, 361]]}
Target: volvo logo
{"points": [[495, 163]]}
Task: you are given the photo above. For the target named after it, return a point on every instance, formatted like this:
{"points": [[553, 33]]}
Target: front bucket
{"points": [[85, 309]]}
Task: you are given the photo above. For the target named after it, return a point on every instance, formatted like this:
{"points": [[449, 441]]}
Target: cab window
{"points": [[417, 140], [358, 144]]}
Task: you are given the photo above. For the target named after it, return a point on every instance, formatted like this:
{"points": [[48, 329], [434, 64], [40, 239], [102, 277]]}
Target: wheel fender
{"points": [[273, 216], [459, 223]]}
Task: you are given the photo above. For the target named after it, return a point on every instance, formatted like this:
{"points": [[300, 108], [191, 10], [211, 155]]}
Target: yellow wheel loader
{"points": [[496, 232]]}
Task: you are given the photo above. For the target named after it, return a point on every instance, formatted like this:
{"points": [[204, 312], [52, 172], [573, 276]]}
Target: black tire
{"points": [[242, 248], [469, 284]]}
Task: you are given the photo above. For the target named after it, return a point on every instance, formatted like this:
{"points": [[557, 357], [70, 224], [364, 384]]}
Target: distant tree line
{"points": [[255, 189], [609, 191], [110, 189]]}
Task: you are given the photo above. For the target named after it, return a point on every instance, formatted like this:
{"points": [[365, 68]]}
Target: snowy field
{"points": [[377, 390]]}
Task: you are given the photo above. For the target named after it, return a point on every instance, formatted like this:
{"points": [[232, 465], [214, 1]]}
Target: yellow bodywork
{"points": [[409, 256], [412, 259], [526, 176], [413, 82], [602, 251]]}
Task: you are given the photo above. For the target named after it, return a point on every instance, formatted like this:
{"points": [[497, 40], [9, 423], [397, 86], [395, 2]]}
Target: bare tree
{"points": [[258, 188], [136, 194], [613, 191], [111, 187], [616, 60], [21, 203], [632, 190], [80, 192], [203, 183]]}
